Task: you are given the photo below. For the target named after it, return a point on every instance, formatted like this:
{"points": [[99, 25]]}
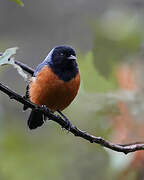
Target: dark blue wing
{"points": [[39, 67], [46, 61]]}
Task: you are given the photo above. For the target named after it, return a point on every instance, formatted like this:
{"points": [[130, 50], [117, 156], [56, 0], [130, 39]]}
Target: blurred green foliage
{"points": [[19, 2], [47, 153], [92, 80], [117, 35]]}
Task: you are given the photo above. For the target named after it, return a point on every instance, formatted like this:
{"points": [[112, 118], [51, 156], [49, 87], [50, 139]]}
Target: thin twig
{"points": [[25, 67], [125, 148]]}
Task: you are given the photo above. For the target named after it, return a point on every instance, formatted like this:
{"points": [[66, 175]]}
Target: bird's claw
{"points": [[68, 125], [46, 109]]}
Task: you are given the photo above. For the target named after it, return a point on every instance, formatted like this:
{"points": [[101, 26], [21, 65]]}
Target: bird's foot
{"points": [[25, 107], [69, 125], [46, 109]]}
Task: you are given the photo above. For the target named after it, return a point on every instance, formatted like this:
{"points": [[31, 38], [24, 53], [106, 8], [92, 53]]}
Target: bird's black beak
{"points": [[72, 57]]}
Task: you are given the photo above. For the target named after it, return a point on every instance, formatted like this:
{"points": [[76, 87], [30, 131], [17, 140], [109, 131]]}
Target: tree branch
{"points": [[125, 148], [25, 67]]}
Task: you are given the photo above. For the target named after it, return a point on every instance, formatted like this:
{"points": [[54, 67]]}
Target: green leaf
{"points": [[6, 59], [19, 2], [92, 79]]}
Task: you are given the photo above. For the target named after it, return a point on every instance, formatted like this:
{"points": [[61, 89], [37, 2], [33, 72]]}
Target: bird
{"points": [[54, 84]]}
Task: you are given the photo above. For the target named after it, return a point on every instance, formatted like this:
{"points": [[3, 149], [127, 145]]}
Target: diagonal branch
{"points": [[125, 148], [25, 67]]}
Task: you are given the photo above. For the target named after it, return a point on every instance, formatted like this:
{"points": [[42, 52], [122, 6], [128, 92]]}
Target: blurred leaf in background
{"points": [[118, 35], [92, 80], [19, 2]]}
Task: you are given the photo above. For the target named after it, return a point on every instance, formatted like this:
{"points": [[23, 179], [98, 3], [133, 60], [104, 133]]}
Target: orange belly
{"points": [[47, 89]]}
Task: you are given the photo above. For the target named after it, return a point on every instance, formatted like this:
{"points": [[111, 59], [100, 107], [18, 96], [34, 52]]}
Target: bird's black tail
{"points": [[35, 119]]}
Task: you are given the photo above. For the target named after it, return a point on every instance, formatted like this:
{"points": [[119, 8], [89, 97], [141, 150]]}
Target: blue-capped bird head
{"points": [[62, 61], [63, 56]]}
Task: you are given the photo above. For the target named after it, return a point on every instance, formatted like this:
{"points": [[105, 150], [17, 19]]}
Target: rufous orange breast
{"points": [[47, 89]]}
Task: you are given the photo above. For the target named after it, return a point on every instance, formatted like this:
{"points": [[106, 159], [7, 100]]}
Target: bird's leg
{"points": [[44, 116], [69, 124]]}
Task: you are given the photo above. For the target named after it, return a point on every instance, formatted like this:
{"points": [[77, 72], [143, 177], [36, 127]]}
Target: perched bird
{"points": [[54, 84]]}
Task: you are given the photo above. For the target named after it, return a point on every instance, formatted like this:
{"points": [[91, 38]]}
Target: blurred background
{"points": [[109, 39]]}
